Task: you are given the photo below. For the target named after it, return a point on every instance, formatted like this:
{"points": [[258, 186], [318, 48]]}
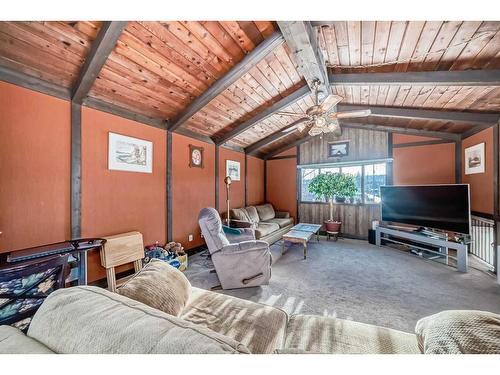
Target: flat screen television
{"points": [[444, 207]]}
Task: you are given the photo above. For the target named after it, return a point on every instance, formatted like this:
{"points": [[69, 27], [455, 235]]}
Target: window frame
{"points": [[359, 163]]}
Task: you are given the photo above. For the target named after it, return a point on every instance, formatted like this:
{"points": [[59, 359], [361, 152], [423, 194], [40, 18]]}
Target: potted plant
{"points": [[330, 186]]}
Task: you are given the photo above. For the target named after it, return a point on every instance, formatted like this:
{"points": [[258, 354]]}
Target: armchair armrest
{"points": [[281, 215], [245, 246]]}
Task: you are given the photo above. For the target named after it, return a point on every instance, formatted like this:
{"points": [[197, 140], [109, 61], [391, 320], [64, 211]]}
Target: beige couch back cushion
{"points": [[92, 320], [252, 213], [459, 331], [160, 286], [266, 212], [239, 214]]}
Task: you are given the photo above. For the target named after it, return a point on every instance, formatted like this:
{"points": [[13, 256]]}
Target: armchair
{"points": [[242, 264]]}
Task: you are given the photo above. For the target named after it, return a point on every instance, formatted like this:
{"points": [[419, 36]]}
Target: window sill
{"points": [[342, 204]]}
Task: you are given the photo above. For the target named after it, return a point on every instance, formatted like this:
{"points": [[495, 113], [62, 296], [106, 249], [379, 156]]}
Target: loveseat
{"points": [[269, 225], [158, 311]]}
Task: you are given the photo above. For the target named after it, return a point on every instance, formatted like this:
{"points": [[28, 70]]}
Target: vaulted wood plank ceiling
{"points": [[157, 69], [51, 51]]}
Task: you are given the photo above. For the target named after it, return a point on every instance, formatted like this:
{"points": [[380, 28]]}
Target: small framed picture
{"points": [[129, 154], [338, 149], [195, 156], [233, 170], [474, 159]]}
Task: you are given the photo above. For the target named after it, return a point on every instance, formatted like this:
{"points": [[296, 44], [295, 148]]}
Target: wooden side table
{"points": [[297, 236]]}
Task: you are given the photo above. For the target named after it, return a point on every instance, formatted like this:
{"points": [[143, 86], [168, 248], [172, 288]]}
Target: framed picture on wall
{"points": [[129, 154], [195, 156], [338, 149], [233, 170], [474, 159]]}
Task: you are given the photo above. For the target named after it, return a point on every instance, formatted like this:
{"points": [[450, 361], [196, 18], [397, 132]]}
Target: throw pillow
{"points": [[160, 286], [459, 331]]}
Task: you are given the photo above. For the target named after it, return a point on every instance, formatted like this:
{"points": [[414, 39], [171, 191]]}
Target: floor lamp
{"points": [[227, 181]]}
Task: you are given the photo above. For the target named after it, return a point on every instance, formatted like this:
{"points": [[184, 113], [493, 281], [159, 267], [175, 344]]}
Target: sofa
{"points": [[158, 311], [269, 225]]}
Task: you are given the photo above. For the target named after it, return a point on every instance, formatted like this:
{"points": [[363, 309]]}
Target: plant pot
{"points": [[340, 199], [333, 226]]}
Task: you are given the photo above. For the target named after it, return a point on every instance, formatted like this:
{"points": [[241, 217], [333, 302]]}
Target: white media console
{"points": [[442, 244]]}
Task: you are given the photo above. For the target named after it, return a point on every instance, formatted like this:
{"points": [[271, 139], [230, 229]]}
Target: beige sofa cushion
{"points": [[14, 341], [459, 331], [264, 229], [260, 328], [281, 222], [320, 334], [85, 319], [160, 286], [252, 214], [266, 212], [240, 214]]}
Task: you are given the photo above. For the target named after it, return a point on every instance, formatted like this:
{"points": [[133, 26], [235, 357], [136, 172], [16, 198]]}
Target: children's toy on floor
{"points": [[172, 253]]}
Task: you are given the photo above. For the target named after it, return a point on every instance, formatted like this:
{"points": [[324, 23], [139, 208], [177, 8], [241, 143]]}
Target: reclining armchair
{"points": [[240, 263]]}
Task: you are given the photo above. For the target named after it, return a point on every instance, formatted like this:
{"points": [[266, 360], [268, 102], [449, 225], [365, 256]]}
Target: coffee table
{"points": [[301, 233]]}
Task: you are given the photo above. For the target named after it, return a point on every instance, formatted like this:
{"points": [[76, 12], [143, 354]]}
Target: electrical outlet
{"points": [[190, 237]]}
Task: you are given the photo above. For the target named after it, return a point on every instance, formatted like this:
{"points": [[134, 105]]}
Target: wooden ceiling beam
{"points": [[252, 149], [301, 37], [235, 73], [102, 46], [33, 83], [395, 129], [433, 78], [123, 112], [261, 116], [296, 143], [484, 120]]}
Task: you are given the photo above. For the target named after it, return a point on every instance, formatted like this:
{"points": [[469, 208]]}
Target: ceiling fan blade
{"points": [[329, 102], [352, 114], [298, 124], [284, 113]]}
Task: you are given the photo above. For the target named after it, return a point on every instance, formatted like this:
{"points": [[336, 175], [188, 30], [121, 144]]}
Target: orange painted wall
{"points": [[119, 201], [237, 191], [429, 164], [481, 184], [255, 183], [282, 184], [193, 189], [34, 168]]}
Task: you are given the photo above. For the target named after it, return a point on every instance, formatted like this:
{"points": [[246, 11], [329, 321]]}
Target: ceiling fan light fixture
{"points": [[320, 121]]}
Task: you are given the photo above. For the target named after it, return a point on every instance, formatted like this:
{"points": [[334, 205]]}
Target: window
{"points": [[369, 177]]}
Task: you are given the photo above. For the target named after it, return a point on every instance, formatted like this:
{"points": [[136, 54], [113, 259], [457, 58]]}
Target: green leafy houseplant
{"points": [[330, 186]]}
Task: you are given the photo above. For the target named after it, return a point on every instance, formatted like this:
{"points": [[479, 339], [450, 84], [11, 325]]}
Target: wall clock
{"points": [[195, 156]]}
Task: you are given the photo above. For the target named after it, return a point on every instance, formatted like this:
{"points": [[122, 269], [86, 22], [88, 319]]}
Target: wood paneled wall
{"points": [[363, 145]]}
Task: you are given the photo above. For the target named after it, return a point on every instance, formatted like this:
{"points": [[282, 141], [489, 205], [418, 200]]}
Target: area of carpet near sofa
{"points": [[158, 311]]}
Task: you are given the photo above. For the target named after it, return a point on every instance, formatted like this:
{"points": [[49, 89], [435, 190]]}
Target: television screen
{"points": [[443, 207]]}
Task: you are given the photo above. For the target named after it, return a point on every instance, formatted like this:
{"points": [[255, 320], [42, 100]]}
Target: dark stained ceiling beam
{"points": [[252, 149], [285, 147], [123, 112], [261, 116], [436, 78], [102, 46], [395, 129], [301, 37], [235, 73], [457, 117], [33, 83]]}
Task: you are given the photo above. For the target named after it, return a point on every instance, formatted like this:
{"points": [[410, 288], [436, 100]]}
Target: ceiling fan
{"points": [[320, 118]]}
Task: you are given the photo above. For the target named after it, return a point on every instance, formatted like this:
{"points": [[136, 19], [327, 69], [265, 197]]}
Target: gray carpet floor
{"points": [[354, 280]]}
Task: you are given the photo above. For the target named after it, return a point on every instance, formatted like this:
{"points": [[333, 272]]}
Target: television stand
{"points": [[426, 239]]}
